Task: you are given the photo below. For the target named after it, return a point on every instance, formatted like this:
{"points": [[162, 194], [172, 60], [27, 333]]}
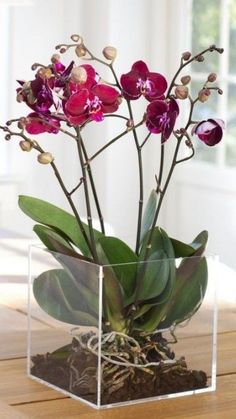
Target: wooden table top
{"points": [[21, 397]]}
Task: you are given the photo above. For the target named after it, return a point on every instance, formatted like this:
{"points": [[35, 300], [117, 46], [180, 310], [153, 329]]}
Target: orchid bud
{"points": [[189, 143], [119, 99], [110, 53], [80, 51], [45, 73], [212, 77], [200, 58], [186, 55], [203, 95], [55, 58], [22, 123], [130, 124], [185, 80], [220, 91], [45, 158], [79, 75], [181, 92], [25, 145]]}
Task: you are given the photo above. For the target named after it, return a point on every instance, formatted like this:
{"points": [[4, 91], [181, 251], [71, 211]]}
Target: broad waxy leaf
{"points": [[57, 243], [157, 277], [65, 299], [61, 249], [113, 301], [183, 250], [45, 213], [189, 290], [113, 251], [149, 214]]}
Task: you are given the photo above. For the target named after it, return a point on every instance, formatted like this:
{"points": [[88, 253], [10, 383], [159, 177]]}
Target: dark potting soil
{"points": [[75, 370]]}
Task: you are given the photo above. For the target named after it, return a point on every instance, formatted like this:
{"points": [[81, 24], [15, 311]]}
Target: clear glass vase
{"points": [[102, 363]]}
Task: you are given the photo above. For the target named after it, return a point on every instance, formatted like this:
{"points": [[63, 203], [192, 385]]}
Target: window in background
{"points": [[214, 22]]}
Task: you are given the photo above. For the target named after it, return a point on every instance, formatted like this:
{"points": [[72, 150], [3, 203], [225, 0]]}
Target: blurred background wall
{"points": [[203, 191]]}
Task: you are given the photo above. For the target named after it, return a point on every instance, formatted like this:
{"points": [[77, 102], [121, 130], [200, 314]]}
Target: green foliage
{"points": [[113, 301], [113, 251], [59, 220], [184, 250], [65, 299], [149, 213], [161, 293], [188, 292]]}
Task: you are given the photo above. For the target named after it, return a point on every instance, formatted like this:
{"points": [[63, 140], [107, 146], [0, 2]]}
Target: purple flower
{"points": [[210, 131], [140, 81], [91, 104], [36, 94], [37, 125], [161, 117]]}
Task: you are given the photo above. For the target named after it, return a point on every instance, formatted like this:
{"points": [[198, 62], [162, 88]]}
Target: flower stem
{"points": [[113, 141], [159, 179], [141, 274], [93, 188], [87, 198], [140, 168], [184, 64], [67, 194], [145, 139]]}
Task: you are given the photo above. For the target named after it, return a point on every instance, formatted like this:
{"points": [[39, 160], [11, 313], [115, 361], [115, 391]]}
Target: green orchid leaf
{"points": [[150, 319], [113, 300], [200, 242], [189, 290], [50, 215], [80, 271], [55, 242], [113, 251], [184, 250], [157, 276], [149, 214], [65, 299], [154, 275], [60, 249], [151, 311]]}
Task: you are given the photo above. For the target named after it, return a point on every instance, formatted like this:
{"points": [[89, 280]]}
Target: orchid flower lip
{"points": [[145, 86], [93, 105]]}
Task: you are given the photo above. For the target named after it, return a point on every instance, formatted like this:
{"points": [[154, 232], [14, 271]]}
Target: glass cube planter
{"points": [[79, 354]]}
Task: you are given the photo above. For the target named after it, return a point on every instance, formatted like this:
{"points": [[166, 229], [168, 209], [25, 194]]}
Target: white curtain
{"points": [[150, 30]]}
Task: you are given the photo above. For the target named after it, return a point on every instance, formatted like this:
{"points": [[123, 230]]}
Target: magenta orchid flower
{"points": [[36, 125], [36, 94], [140, 81], [91, 104], [88, 84], [210, 131], [161, 117]]}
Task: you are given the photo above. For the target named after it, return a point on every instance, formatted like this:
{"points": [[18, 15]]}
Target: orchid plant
{"points": [[68, 99]]}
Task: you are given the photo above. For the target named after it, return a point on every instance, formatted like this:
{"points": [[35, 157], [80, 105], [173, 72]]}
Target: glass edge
{"points": [[40, 246]]}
